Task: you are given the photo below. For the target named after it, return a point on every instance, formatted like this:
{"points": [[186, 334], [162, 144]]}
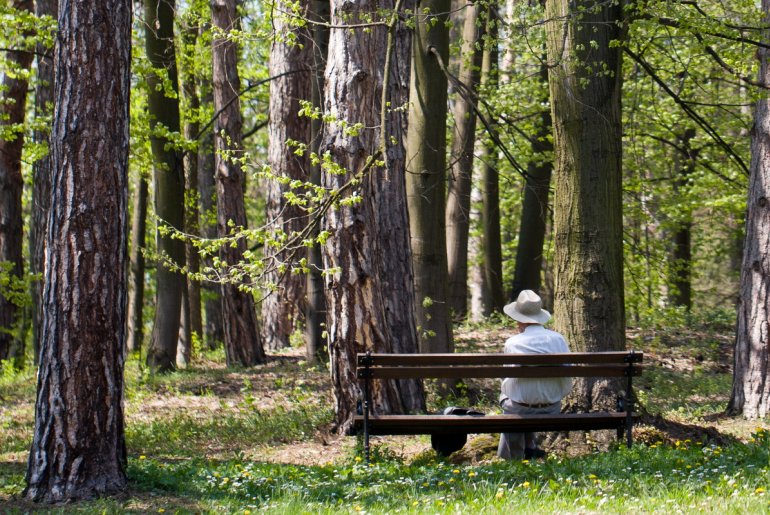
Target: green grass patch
{"points": [[688, 477], [185, 435]]}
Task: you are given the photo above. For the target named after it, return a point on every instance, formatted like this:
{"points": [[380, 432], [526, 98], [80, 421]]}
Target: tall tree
{"points": [[535, 206], [13, 102], [370, 297], [168, 173], [291, 61], [585, 84], [751, 387], [490, 177], [426, 174], [41, 176], [135, 316], [192, 317], [213, 330], [315, 315], [78, 446], [243, 344], [681, 262], [464, 137]]}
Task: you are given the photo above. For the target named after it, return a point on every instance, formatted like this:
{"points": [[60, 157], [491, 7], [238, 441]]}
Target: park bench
{"points": [[461, 366]]}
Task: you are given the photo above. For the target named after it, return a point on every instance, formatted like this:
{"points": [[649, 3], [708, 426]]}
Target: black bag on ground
{"points": [[447, 443]]}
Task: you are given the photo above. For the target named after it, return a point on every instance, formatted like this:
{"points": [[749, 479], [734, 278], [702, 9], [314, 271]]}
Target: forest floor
{"points": [[280, 414]]}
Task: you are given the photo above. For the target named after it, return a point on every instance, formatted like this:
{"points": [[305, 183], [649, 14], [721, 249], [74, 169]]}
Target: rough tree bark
{"points": [[41, 177], [78, 446], [168, 173], [458, 205], [585, 106], [426, 175], [284, 308], [751, 372], [243, 345], [370, 297], [13, 103]]}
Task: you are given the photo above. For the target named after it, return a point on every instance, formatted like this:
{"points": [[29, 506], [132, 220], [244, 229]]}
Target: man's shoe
{"points": [[534, 454]]}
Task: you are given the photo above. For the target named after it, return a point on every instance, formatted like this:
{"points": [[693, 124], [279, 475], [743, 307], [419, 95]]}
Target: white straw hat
{"points": [[527, 309]]}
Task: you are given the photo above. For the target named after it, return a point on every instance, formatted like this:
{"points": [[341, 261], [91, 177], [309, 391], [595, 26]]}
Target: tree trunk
{"points": [[534, 209], [137, 263], [370, 297], [243, 345], [168, 173], [751, 387], [315, 314], [588, 300], [681, 263], [459, 189], [41, 178], [426, 175], [490, 180], [192, 318], [284, 308], [78, 446], [214, 330], [13, 104]]}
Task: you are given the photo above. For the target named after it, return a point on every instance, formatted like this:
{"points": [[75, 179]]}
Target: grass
{"points": [[211, 440]]}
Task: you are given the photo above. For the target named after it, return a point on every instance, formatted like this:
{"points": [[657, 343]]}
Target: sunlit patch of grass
{"points": [[190, 435], [685, 396], [687, 476]]}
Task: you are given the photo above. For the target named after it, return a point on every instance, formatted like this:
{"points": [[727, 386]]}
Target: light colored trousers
{"points": [[512, 445]]}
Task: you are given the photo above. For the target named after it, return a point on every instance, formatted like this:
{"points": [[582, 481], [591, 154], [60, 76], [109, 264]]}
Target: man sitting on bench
{"points": [[530, 396]]}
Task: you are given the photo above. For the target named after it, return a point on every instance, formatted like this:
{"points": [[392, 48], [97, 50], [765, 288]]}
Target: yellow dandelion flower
{"points": [[358, 459], [525, 484], [472, 474], [456, 471], [500, 494], [759, 490]]}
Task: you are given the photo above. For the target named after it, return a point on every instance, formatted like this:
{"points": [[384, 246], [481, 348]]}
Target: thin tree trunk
{"points": [[459, 189], [370, 298], [136, 291], [284, 308], [13, 103], [490, 180], [214, 329], [168, 173], [78, 446], [426, 175], [243, 345], [192, 318], [41, 178], [751, 387], [588, 300], [315, 315], [681, 262], [534, 209]]}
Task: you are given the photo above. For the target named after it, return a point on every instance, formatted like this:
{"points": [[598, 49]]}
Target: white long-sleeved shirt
{"points": [[536, 339]]}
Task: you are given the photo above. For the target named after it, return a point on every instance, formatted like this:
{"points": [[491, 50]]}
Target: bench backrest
{"points": [[460, 365]]}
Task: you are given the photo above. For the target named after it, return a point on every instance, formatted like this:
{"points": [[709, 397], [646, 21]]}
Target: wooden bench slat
{"points": [[388, 372], [500, 359], [445, 424]]}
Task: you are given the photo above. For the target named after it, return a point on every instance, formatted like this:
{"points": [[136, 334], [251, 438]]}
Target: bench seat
{"points": [[448, 424]]}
